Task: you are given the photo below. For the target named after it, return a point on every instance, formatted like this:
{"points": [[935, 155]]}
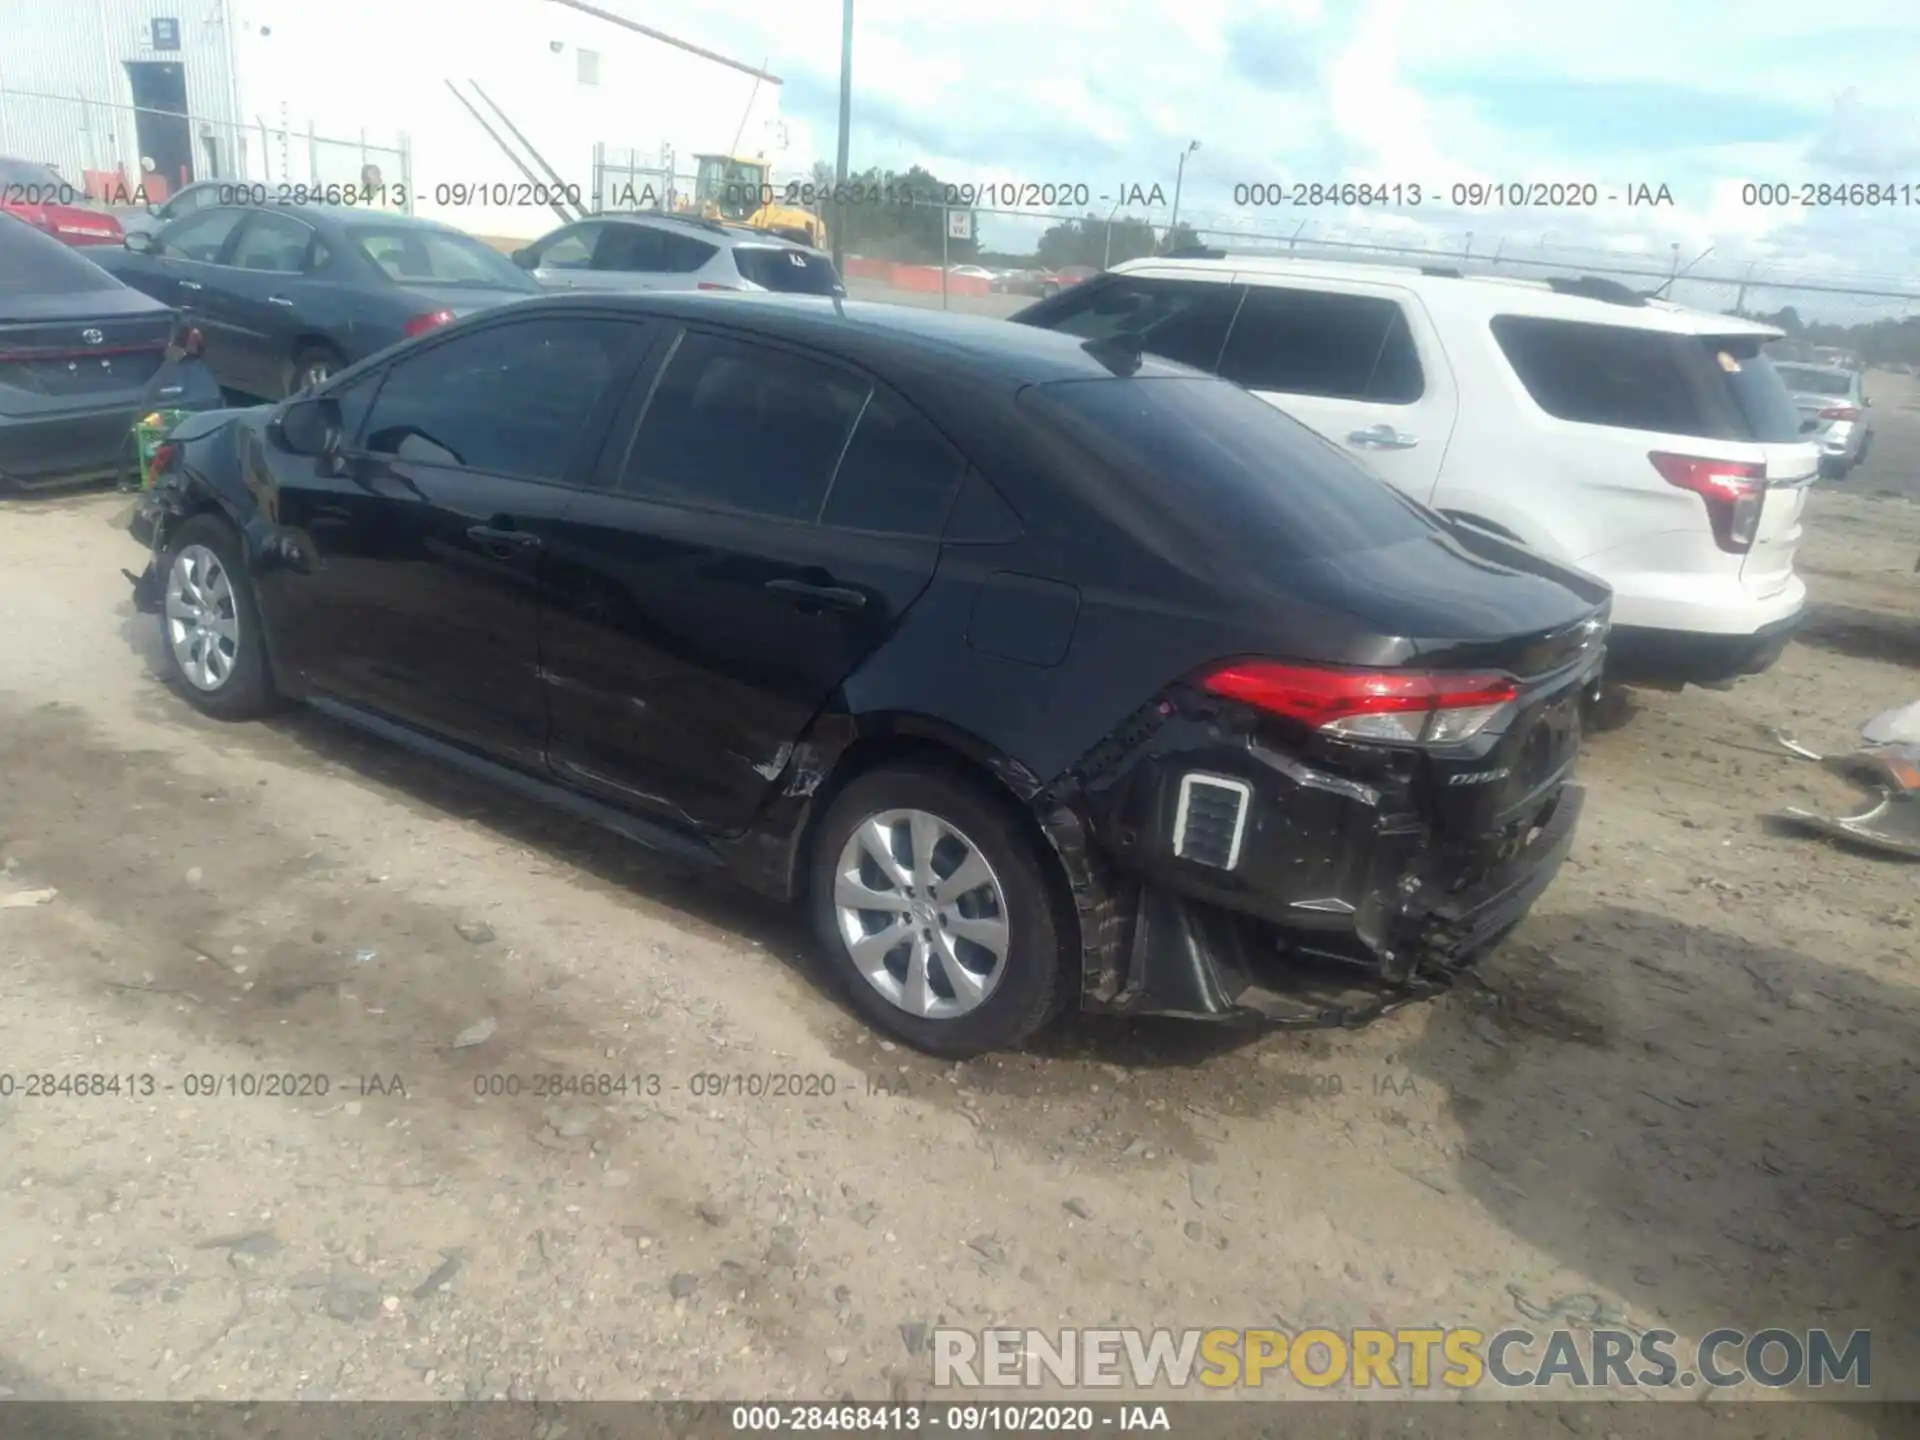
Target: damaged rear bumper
{"points": [[1190, 958]]}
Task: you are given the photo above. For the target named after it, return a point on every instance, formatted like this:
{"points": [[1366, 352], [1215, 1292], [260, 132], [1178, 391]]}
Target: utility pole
{"points": [[846, 125], [1179, 174]]}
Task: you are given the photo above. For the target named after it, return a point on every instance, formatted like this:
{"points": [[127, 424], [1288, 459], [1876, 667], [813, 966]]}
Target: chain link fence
{"points": [[1843, 295], [104, 149]]}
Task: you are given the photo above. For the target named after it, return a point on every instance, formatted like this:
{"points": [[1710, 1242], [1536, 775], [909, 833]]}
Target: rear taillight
{"points": [[1840, 412], [710, 285], [186, 344], [421, 324], [166, 457], [1407, 707], [1733, 492]]}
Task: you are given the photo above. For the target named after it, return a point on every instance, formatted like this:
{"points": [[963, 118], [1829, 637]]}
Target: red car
{"points": [[37, 195]]}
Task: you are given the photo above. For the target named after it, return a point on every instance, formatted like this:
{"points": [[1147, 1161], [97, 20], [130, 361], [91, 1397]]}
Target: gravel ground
{"points": [[1684, 1093]]}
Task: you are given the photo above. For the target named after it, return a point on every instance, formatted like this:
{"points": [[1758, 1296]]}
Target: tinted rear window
{"points": [[1201, 453], [1714, 387], [793, 272], [34, 263], [1815, 382]]}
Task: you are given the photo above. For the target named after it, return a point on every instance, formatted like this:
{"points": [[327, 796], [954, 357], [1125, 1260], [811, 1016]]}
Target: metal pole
{"points": [[945, 223], [1740, 300], [846, 124], [313, 156], [1179, 174]]}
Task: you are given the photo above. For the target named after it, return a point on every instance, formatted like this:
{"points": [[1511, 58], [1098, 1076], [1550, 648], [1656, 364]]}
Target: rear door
{"points": [[763, 518], [1360, 363], [257, 298]]}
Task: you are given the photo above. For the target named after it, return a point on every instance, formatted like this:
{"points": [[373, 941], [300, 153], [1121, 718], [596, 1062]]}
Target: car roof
{"points": [[349, 214], [1469, 297], [871, 332], [695, 226]]}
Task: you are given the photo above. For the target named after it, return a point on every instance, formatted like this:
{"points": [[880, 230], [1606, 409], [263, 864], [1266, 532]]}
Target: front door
{"points": [[741, 554], [184, 270], [417, 572]]}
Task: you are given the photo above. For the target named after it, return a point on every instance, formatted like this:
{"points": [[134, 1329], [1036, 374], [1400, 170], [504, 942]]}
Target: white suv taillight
{"points": [[1733, 491], [1405, 707]]}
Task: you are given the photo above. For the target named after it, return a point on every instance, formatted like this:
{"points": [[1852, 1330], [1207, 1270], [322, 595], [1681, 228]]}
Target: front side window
{"points": [[738, 426], [200, 236], [571, 249], [276, 244], [510, 399]]}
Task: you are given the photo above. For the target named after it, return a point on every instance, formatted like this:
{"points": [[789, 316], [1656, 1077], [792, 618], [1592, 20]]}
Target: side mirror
{"points": [[309, 426], [525, 258], [141, 243]]}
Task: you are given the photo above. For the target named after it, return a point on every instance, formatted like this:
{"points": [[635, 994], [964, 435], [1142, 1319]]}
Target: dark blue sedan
{"points": [[285, 295]]}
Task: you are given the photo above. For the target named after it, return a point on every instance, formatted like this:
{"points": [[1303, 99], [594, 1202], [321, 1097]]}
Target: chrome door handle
{"points": [[191, 285], [279, 300], [1382, 437]]}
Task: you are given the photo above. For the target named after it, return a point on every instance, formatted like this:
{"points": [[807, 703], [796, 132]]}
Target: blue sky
{"points": [[1698, 95]]}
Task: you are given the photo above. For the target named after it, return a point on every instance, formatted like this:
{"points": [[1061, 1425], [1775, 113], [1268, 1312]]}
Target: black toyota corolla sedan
{"points": [[82, 357], [1046, 674]]}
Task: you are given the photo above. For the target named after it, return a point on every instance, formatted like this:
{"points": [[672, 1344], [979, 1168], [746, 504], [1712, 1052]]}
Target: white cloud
{"points": [[1703, 96]]}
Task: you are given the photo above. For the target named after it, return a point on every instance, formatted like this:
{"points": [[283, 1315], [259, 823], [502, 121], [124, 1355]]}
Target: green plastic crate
{"points": [[148, 432]]}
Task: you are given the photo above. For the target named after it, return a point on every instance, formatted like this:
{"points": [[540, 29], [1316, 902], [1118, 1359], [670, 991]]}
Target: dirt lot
{"points": [[1684, 1094]]}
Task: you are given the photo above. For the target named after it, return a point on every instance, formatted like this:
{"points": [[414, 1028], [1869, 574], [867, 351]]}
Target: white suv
{"points": [[1651, 445]]}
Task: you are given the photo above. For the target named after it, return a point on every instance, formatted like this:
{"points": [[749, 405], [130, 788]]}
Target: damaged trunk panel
{"points": [[1261, 874]]}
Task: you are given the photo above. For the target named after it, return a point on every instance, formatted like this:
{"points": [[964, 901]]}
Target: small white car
{"points": [[1833, 410], [1651, 445], [654, 250]]}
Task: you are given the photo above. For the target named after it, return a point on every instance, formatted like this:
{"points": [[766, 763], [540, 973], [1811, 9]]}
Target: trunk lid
{"points": [[81, 362], [458, 300]]}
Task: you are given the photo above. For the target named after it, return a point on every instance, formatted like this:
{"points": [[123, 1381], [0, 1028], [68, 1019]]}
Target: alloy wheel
{"points": [[203, 623], [922, 913]]}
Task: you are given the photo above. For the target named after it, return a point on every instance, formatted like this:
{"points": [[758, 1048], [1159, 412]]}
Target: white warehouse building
{"points": [[469, 110]]}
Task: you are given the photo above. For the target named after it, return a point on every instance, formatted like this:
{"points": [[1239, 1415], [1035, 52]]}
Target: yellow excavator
{"points": [[735, 188]]}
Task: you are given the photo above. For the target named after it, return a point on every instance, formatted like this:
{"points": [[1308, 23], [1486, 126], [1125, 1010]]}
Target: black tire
{"points": [[1032, 984], [306, 359], [246, 690]]}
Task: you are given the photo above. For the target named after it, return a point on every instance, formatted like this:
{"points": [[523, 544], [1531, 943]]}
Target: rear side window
{"points": [[1815, 382], [686, 254], [34, 263], [898, 475], [792, 272], [1313, 342], [1203, 467], [736, 426], [1713, 387], [1180, 320], [632, 247]]}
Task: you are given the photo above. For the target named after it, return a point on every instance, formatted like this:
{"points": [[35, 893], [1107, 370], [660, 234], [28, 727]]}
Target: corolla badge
{"points": [[93, 337]]}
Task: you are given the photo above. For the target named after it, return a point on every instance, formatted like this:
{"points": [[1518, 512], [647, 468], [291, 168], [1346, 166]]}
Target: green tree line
{"points": [[1876, 342], [898, 215]]}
